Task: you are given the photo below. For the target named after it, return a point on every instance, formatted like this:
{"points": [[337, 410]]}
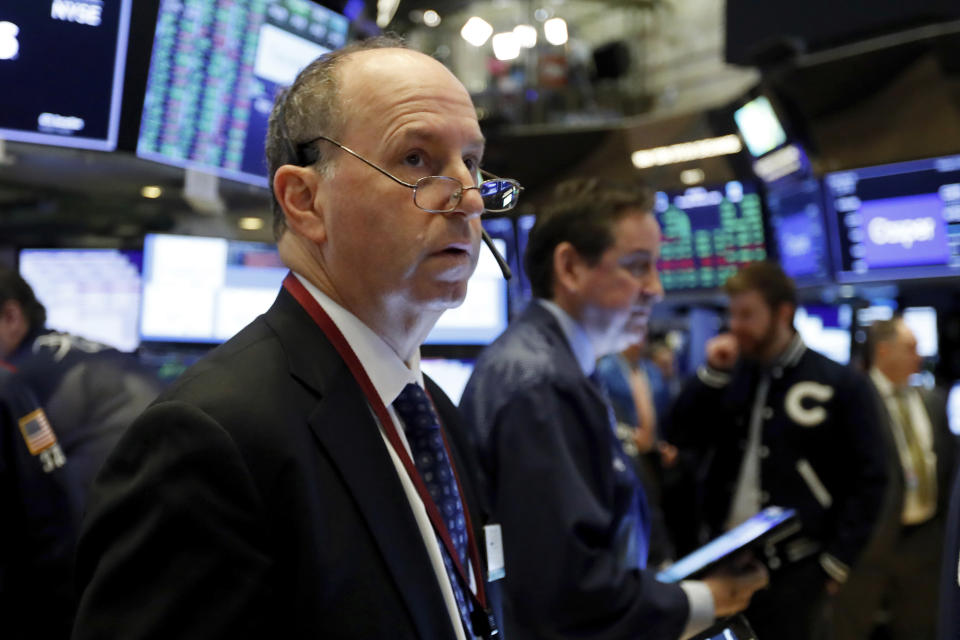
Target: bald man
{"points": [[301, 481]]}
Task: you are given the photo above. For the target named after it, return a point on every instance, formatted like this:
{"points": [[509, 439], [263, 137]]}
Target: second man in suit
{"points": [[574, 516], [900, 570]]}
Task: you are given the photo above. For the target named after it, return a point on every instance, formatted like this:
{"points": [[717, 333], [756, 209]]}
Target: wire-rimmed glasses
{"points": [[442, 194]]}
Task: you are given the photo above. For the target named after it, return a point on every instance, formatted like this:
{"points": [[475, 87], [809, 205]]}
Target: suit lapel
{"points": [[346, 429]]}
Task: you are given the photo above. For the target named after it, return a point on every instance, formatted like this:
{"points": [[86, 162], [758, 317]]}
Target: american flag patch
{"points": [[37, 432]]}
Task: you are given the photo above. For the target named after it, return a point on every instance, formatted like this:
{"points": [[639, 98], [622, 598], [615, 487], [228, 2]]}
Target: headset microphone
{"points": [[504, 267]]}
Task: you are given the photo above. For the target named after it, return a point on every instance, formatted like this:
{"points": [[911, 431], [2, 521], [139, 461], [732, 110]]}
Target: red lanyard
{"points": [[333, 334]]}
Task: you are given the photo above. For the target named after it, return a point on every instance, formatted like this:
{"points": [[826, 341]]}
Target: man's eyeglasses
{"points": [[442, 194]]}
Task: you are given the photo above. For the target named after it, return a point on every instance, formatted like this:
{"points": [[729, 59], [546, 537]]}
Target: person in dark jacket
{"points": [[304, 480], [574, 515], [898, 571], [64, 403], [779, 424]]}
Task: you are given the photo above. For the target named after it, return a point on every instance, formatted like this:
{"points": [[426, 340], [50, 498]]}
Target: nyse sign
{"points": [[88, 12]]}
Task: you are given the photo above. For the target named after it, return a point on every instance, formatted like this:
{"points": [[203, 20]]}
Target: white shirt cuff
{"points": [[701, 607]]}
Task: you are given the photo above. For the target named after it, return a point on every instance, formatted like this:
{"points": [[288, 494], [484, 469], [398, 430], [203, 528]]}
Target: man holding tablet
{"points": [[574, 517]]}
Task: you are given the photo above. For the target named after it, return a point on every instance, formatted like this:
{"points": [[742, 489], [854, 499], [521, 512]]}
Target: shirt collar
{"points": [[882, 382], [792, 354], [388, 373], [579, 342]]}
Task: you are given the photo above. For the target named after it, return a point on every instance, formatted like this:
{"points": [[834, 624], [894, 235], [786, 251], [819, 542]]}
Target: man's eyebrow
{"points": [[431, 136]]}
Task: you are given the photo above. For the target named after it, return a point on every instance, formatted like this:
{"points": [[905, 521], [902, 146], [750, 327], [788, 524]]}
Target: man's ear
{"points": [[567, 268], [295, 189], [785, 313]]}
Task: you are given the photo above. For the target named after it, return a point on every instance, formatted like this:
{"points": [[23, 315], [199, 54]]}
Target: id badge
{"points": [[493, 542]]}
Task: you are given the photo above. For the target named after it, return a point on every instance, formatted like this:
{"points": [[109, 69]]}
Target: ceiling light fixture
{"points": [[527, 35], [686, 151], [431, 18], [506, 46], [250, 224], [476, 31], [692, 176], [151, 191], [555, 31]]}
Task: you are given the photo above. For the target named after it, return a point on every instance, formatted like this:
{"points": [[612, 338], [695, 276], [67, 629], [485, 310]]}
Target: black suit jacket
{"points": [[574, 531], [257, 499]]}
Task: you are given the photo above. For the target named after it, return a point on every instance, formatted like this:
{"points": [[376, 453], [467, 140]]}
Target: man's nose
{"points": [[653, 288], [471, 204]]}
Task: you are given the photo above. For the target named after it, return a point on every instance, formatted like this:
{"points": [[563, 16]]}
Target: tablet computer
{"points": [[735, 628], [770, 525]]}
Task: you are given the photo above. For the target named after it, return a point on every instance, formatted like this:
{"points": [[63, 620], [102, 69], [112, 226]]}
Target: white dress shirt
{"points": [[698, 593], [389, 375]]}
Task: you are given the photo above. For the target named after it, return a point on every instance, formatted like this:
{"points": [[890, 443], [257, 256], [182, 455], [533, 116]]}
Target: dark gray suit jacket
{"points": [[257, 499], [574, 533]]}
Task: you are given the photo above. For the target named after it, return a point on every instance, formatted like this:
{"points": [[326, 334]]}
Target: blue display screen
{"points": [[198, 289], [483, 314], [61, 69], [215, 70], [92, 293], [896, 221], [796, 217]]}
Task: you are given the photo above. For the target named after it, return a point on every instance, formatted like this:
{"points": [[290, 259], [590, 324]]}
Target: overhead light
{"points": [[151, 191], [555, 31], [541, 14], [386, 9], [686, 151], [506, 46], [476, 31], [527, 35], [431, 18], [692, 176], [250, 224]]}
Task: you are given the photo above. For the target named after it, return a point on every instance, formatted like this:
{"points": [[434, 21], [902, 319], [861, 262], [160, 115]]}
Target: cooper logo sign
{"points": [[905, 233]]}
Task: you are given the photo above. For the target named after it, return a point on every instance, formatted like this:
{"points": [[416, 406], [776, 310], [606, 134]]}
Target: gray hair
{"points": [[308, 108]]}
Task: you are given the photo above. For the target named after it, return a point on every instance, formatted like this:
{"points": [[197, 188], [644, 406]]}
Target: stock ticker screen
{"points": [[896, 221], [708, 234], [215, 70]]}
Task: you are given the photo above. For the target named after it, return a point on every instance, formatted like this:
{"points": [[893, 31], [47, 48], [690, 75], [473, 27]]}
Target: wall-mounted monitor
{"points": [[826, 330], [796, 218], [524, 224], [61, 69], [953, 408], [896, 221], [483, 315], [215, 70], [759, 126], [450, 374], [198, 289], [708, 234], [923, 322], [92, 293], [502, 229]]}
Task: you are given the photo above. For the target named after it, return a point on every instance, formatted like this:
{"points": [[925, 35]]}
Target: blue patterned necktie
{"points": [[430, 457]]}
